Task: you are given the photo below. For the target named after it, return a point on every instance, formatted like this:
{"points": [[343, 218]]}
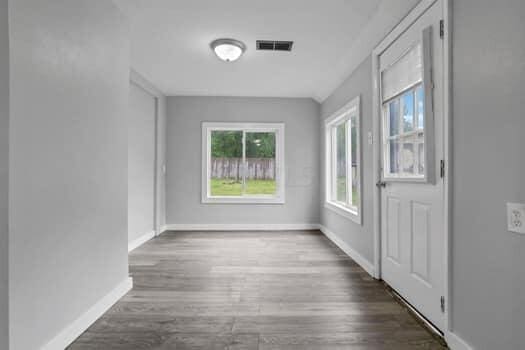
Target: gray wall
{"points": [[68, 166], [488, 277], [141, 162], [161, 163], [160, 173], [488, 171], [185, 116], [359, 237], [4, 176]]}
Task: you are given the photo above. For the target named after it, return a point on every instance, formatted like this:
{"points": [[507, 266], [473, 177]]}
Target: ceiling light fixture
{"points": [[228, 50]]}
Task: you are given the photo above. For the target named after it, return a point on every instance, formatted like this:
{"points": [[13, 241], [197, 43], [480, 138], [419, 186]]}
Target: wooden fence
{"points": [[231, 168]]}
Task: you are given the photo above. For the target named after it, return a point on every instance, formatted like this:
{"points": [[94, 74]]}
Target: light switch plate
{"points": [[516, 217]]}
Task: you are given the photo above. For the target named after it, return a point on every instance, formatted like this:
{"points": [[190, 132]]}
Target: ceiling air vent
{"points": [[272, 45]]}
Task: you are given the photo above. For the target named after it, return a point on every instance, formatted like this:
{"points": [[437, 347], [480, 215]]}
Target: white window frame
{"points": [[278, 128], [351, 109]]}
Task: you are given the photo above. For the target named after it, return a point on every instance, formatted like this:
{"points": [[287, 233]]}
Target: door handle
{"points": [[381, 184]]}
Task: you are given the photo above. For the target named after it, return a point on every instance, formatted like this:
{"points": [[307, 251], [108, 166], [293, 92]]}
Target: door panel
{"points": [[392, 227], [412, 233], [420, 231]]}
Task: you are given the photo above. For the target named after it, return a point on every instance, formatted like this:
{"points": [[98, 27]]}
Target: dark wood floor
{"points": [[252, 290]]}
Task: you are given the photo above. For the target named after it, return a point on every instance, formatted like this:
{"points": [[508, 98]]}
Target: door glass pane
{"points": [[260, 163], [408, 160], [394, 157], [341, 162], [393, 108], [407, 101], [420, 107], [405, 148], [226, 163], [421, 158]]}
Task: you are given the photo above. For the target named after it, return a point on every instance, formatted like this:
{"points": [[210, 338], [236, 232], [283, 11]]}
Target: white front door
{"points": [[412, 190]]}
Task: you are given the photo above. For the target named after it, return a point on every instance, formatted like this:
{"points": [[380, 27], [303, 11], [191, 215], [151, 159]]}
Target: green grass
{"points": [[341, 191], [230, 187], [261, 186], [355, 198]]}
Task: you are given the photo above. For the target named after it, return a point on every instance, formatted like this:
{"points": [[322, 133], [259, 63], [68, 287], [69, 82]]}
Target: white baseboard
{"points": [[163, 229], [454, 342], [75, 329], [358, 258], [240, 227], [140, 241]]}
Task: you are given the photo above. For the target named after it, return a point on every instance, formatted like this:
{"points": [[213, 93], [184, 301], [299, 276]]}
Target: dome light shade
{"points": [[228, 50]]}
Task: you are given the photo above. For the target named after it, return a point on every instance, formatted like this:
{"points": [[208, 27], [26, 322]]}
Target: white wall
{"points": [[4, 175], [68, 165], [359, 237], [141, 162], [488, 171], [185, 116]]}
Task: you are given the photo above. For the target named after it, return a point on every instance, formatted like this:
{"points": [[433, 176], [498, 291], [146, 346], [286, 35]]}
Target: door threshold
{"points": [[438, 334]]}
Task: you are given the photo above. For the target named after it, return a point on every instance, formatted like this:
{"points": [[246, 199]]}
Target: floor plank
{"points": [[253, 290]]}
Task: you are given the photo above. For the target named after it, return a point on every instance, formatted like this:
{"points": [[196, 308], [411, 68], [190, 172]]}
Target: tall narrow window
{"points": [[243, 163], [343, 174]]}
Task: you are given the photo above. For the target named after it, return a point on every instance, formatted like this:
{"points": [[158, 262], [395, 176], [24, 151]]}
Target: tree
{"points": [[228, 144], [260, 145]]}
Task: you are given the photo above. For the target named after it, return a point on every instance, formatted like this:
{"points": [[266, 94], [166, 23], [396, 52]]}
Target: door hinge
{"points": [[442, 168], [441, 29], [442, 300]]}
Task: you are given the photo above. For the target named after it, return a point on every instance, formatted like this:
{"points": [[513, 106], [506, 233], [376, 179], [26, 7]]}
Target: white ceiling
{"points": [[170, 43]]}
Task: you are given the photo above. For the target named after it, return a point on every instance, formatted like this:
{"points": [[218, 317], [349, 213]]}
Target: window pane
{"points": [[341, 162], [355, 150], [393, 108], [226, 163], [420, 107], [394, 157], [408, 158], [408, 111], [260, 163]]}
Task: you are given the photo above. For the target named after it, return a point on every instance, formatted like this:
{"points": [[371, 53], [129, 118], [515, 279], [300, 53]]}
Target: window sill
{"points": [[344, 211], [243, 200]]}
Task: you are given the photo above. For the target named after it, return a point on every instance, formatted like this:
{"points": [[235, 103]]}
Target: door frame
{"points": [[138, 80], [405, 23]]}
